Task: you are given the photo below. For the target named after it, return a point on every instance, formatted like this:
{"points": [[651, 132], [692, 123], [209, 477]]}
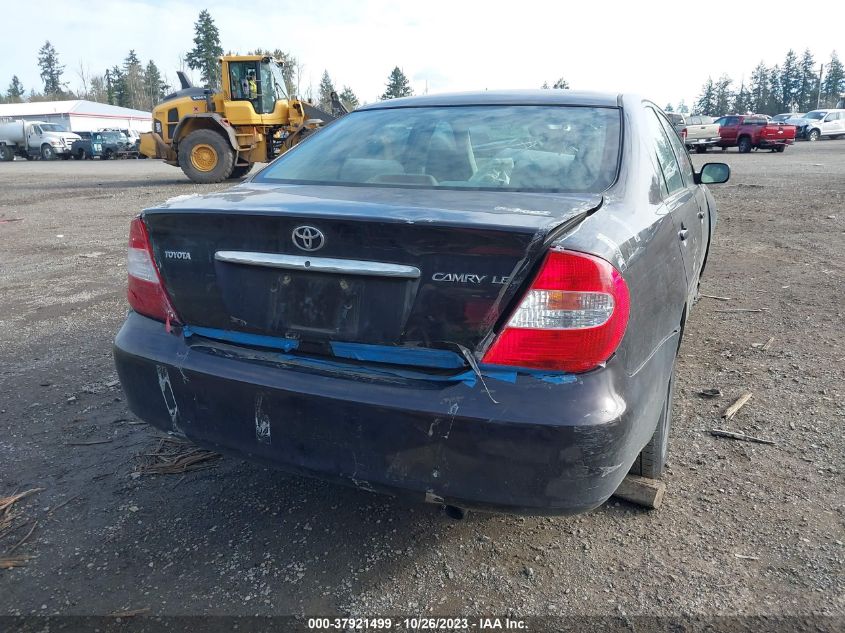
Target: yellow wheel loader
{"points": [[215, 136]]}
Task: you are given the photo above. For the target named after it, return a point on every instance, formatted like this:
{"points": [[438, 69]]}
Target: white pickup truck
{"points": [[34, 139], [696, 131]]}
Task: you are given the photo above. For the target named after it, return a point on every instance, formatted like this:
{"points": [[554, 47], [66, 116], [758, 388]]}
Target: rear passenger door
{"points": [[680, 194]]}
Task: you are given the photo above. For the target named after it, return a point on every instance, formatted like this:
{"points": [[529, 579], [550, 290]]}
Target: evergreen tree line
{"points": [[792, 86], [135, 85], [130, 84]]}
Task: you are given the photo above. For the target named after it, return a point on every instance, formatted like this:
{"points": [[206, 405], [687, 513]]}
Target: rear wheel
{"points": [[744, 145], [206, 157], [6, 153], [239, 171], [780, 148], [700, 149], [48, 153], [652, 460], [814, 135]]}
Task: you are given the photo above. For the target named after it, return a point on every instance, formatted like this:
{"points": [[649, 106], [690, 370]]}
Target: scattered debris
{"points": [[129, 613], [91, 443], [742, 310], [715, 297], [740, 436], [731, 411], [112, 383], [24, 539], [768, 343], [176, 456], [715, 392], [63, 504], [7, 220], [9, 562], [746, 557], [6, 503], [642, 491]]}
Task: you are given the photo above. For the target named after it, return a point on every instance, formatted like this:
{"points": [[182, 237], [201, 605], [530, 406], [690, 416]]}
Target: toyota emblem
{"points": [[308, 238]]}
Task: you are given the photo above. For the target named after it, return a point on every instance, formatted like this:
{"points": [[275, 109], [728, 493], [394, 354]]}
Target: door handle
{"points": [[683, 234]]}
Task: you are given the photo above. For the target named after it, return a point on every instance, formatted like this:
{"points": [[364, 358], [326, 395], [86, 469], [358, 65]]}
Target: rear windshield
{"points": [[515, 148]]}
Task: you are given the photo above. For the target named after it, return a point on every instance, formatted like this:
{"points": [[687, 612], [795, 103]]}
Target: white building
{"points": [[79, 115]]}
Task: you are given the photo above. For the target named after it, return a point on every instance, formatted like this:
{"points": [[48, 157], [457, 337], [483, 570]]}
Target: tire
{"points": [[651, 461], [206, 157], [47, 153], [780, 149], [744, 145], [107, 155], [701, 149], [239, 171], [814, 135], [6, 153]]}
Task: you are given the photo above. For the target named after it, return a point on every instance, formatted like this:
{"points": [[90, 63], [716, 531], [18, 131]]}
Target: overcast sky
{"points": [[662, 50]]}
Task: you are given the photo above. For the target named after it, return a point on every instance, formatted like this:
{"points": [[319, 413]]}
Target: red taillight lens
{"points": [[571, 319], [684, 133], [144, 289]]}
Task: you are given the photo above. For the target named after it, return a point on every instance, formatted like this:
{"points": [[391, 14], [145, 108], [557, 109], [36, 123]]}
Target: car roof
{"points": [[504, 97]]}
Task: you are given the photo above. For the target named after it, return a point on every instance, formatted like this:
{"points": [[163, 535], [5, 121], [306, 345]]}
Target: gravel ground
{"points": [[745, 528]]}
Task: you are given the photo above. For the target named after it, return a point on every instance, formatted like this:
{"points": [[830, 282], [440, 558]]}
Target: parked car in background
{"points": [[747, 132], [103, 145], [474, 299], [786, 116], [34, 139], [699, 132], [818, 123], [133, 142]]}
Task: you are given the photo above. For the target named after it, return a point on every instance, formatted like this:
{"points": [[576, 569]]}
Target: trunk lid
{"points": [[396, 267]]}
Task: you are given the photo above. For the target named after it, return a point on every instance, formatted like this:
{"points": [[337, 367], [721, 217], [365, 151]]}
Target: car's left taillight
{"points": [[572, 318], [684, 134], [145, 290]]}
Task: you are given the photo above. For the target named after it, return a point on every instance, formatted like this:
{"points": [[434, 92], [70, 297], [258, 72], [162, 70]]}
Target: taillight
{"points": [[684, 134], [572, 318], [145, 291]]}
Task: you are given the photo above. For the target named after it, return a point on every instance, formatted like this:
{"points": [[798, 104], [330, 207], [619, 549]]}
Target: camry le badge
{"points": [[308, 238]]}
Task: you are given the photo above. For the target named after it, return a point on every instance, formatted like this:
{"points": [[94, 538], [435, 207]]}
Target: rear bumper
{"points": [[692, 142], [543, 449], [775, 142]]}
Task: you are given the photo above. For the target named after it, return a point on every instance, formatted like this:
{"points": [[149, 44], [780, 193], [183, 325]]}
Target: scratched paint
{"points": [[262, 421], [167, 394]]}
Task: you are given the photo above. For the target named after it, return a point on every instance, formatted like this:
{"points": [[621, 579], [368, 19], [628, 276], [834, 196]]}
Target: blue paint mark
{"points": [[259, 340]]}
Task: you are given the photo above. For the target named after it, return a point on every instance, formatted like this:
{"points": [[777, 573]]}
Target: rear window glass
{"points": [[516, 148]]}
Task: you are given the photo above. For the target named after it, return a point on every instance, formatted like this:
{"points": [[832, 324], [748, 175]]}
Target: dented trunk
{"points": [[370, 265]]}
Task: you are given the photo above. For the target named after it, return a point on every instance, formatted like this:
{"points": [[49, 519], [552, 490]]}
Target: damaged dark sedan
{"points": [[473, 299]]}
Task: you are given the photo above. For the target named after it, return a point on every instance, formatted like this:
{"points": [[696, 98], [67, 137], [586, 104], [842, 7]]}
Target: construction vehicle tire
{"points": [[239, 171], [206, 157]]}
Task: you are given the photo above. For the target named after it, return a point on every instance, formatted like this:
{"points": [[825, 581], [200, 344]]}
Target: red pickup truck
{"points": [[748, 132]]}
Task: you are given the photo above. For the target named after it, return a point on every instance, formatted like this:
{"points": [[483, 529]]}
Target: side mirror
{"points": [[713, 174]]}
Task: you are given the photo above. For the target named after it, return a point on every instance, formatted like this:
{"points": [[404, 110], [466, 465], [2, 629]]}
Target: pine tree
{"points": [[790, 81], [397, 85], [545, 85], [154, 86], [706, 103], [759, 89], [561, 84], [51, 70], [348, 98], [668, 108], [133, 82], [834, 82], [724, 95], [99, 90], [324, 96], [807, 90], [774, 103], [682, 107], [207, 49], [117, 87], [742, 100], [15, 91]]}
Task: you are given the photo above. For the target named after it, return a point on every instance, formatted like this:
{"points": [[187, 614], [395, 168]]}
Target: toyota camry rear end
{"points": [[473, 300]]}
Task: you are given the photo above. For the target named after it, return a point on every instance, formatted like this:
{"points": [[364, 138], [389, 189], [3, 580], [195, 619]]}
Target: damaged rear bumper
{"points": [[543, 448]]}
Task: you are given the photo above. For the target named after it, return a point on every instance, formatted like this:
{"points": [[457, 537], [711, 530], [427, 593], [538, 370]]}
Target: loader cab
{"points": [[258, 81]]}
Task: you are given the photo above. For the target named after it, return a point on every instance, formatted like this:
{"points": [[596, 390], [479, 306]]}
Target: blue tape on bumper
{"points": [[386, 354], [271, 342]]}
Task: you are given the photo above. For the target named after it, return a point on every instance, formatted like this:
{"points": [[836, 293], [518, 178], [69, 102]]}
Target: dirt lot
{"points": [[745, 528]]}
